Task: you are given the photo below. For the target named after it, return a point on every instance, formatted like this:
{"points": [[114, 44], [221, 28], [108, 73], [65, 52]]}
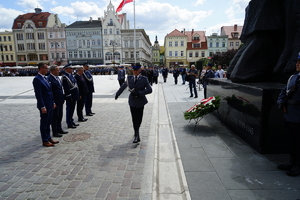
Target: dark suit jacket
{"points": [[83, 90], [70, 86], [57, 90], [43, 92], [142, 86], [89, 81], [293, 106]]}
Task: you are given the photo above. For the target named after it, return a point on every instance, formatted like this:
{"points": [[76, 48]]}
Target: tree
{"points": [[223, 58]]}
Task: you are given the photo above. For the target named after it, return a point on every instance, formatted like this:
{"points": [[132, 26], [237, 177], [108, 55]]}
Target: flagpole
{"points": [[134, 36]]}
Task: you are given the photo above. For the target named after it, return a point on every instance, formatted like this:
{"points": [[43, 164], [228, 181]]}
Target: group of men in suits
{"points": [[51, 93]]}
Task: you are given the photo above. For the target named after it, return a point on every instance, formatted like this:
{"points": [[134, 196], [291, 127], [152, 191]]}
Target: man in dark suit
{"points": [[71, 94], [59, 99], [165, 72], [121, 75], [289, 101], [139, 87], [90, 85], [150, 74], [45, 103], [83, 91]]}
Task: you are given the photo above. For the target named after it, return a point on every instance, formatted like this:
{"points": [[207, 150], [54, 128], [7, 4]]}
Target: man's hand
{"points": [[44, 110], [135, 93]]}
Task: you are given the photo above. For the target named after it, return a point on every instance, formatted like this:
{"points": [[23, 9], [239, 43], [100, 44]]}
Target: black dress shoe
{"points": [[136, 139], [191, 96], [71, 126], [82, 120], [75, 124], [92, 113], [62, 132], [287, 166], [196, 96], [295, 171], [89, 114], [57, 135]]}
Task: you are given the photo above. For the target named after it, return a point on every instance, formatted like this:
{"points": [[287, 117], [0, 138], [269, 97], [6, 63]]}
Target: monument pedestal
{"points": [[251, 111]]}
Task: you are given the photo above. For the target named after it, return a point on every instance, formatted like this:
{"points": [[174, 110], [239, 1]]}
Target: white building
{"points": [[216, 43]]}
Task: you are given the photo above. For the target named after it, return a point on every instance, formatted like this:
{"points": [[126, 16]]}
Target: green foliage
{"points": [[199, 110], [223, 58]]}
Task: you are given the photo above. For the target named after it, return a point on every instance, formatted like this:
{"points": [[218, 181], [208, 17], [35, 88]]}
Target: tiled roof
{"points": [[228, 30], [175, 33], [190, 35], [85, 24], [36, 18]]}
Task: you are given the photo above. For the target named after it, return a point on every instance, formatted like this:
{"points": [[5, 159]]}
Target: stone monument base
{"points": [[251, 111]]}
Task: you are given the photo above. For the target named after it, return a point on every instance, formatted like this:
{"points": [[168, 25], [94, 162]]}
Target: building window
{"points": [[237, 44], [211, 54], [110, 31], [51, 35], [89, 54], [11, 57], [70, 54], [62, 34], [223, 44], [80, 54], [52, 55], [181, 53], [176, 53], [176, 43], [41, 36], [105, 31], [19, 25], [0, 38], [196, 54], [75, 54], [217, 44], [40, 24], [29, 36], [80, 44], [88, 43], [182, 43], [210, 44], [202, 54], [170, 53], [10, 47], [98, 42], [63, 55], [191, 54], [196, 38], [42, 46], [9, 38], [21, 47], [170, 44], [62, 45], [30, 46], [19, 36], [196, 45], [118, 31], [231, 44]]}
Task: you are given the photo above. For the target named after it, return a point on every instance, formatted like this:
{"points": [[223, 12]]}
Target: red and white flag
{"points": [[122, 4]]}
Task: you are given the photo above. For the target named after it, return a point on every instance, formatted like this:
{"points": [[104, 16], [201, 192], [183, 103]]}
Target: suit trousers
{"points": [[192, 84], [137, 117], [293, 133], [80, 105], [121, 81], [45, 122], [57, 117], [88, 102], [70, 107]]}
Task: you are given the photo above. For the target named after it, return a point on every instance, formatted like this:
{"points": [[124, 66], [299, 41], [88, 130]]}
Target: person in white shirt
{"points": [[220, 71]]}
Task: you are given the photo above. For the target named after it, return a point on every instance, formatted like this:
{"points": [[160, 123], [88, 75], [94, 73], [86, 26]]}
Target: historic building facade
{"points": [[7, 49], [156, 53], [112, 24], [175, 48], [234, 34], [142, 46], [30, 36], [217, 43], [196, 46], [57, 44], [84, 42]]}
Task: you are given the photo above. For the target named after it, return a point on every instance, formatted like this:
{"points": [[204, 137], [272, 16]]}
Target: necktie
{"points": [[58, 80], [135, 79], [46, 80]]}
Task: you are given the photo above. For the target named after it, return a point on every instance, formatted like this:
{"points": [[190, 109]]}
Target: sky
{"points": [[157, 17]]}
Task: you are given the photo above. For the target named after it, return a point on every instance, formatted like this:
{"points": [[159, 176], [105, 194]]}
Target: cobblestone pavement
{"points": [[107, 165]]}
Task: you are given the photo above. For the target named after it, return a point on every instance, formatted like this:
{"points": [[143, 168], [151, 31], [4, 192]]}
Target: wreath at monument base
{"points": [[204, 107]]}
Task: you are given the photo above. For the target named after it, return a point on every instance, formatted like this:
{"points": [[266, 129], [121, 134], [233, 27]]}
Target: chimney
{"points": [[192, 31], [91, 19], [235, 27], [38, 10]]}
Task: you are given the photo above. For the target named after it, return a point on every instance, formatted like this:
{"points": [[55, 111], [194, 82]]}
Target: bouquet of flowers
{"points": [[202, 108]]}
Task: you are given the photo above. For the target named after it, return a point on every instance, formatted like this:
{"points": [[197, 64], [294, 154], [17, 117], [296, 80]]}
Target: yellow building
{"points": [[175, 49], [7, 49]]}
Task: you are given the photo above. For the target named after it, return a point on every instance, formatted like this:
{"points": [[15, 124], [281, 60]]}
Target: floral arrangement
{"points": [[204, 107]]}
